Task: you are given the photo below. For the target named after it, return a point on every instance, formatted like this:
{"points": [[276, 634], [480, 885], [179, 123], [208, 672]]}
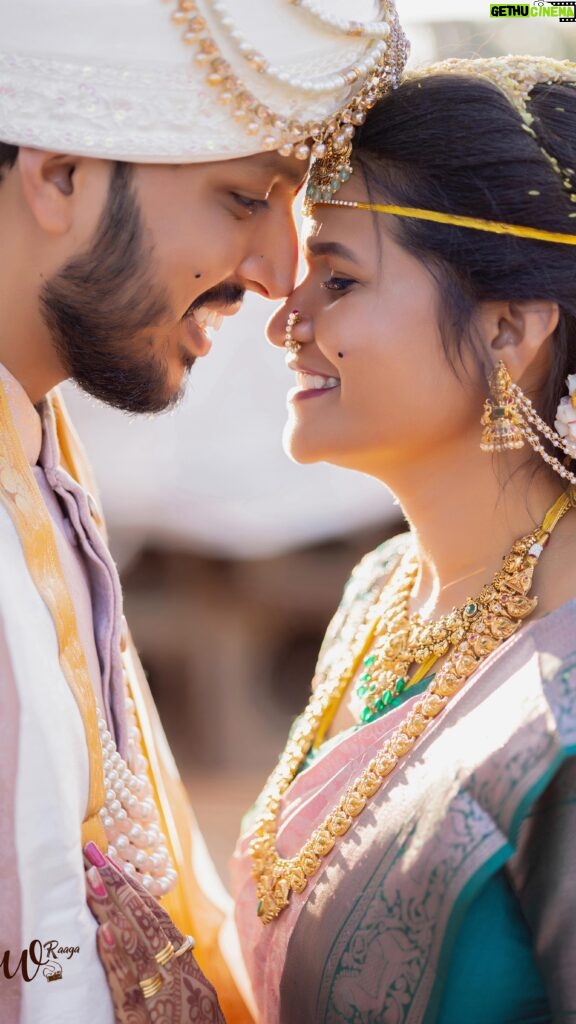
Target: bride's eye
{"points": [[338, 284]]}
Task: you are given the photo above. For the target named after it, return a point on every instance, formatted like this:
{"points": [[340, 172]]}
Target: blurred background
{"points": [[233, 558]]}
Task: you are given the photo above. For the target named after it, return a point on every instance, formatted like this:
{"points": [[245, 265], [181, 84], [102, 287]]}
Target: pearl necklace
{"points": [[373, 29], [277, 132], [256, 60], [197, 32], [500, 610], [129, 815]]}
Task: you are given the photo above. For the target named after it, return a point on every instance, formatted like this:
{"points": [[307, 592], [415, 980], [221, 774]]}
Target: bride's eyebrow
{"points": [[316, 248]]}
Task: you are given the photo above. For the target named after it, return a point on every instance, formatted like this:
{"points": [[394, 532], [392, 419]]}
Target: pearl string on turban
{"points": [[193, 80]]}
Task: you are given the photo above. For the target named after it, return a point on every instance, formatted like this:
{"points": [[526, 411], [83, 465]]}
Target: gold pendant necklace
{"points": [[405, 640], [499, 611]]}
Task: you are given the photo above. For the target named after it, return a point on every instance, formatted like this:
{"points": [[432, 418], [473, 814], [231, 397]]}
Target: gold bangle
{"points": [[186, 946], [165, 955], [151, 986]]}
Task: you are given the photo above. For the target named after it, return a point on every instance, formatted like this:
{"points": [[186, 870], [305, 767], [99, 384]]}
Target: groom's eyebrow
{"points": [[315, 248], [276, 164]]}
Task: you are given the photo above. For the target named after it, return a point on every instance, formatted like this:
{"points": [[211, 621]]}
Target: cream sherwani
{"points": [[53, 606], [43, 758]]}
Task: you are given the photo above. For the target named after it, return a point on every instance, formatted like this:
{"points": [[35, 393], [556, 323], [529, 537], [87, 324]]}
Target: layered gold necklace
{"points": [[467, 636], [403, 640]]}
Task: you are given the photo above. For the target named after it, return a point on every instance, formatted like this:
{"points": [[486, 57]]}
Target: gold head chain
{"points": [[515, 77]]}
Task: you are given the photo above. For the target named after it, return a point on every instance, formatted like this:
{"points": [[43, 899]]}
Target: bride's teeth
{"points": [[314, 382]]}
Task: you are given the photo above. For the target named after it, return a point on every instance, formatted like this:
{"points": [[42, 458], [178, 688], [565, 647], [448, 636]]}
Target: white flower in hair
{"points": [[565, 422]]}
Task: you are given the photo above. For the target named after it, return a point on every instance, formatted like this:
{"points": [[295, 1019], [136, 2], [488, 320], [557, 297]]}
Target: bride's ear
{"points": [[517, 332]]}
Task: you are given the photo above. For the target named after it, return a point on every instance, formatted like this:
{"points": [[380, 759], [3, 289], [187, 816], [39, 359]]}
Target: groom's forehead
{"points": [[289, 169], [264, 169]]}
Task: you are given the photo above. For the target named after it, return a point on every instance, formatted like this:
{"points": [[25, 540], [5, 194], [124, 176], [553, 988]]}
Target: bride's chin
{"points": [[297, 448]]}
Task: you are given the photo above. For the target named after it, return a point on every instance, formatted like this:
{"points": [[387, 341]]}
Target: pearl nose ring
{"points": [[293, 347]]}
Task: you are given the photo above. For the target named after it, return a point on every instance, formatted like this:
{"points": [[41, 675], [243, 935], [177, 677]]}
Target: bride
{"points": [[411, 858]]}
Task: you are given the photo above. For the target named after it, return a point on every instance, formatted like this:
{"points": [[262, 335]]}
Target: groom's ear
{"points": [[60, 192]]}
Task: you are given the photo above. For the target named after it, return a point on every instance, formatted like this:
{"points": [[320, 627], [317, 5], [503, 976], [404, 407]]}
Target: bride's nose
{"points": [[289, 328]]}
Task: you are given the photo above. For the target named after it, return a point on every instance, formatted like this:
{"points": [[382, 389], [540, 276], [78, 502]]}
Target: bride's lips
{"points": [[311, 384]]}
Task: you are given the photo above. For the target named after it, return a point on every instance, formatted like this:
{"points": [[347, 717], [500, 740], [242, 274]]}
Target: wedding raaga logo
{"points": [[537, 9], [39, 957]]}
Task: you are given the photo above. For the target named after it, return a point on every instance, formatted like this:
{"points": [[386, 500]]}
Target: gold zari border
{"points": [[20, 495]]}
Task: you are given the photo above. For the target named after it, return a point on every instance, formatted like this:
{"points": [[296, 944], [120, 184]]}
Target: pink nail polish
{"points": [[107, 933], [94, 855], [96, 883]]}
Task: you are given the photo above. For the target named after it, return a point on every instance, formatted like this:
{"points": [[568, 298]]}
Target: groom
{"points": [[149, 156]]}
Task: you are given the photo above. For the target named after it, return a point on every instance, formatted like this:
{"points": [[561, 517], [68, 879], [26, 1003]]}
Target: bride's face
{"points": [[374, 387]]}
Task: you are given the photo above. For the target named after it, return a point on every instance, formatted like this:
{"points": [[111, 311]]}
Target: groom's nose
{"points": [[270, 266]]}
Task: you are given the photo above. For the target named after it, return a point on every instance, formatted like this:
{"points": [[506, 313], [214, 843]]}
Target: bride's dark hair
{"points": [[455, 144]]}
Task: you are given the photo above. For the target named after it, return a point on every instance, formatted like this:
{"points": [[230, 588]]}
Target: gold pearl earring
{"points": [[509, 419]]}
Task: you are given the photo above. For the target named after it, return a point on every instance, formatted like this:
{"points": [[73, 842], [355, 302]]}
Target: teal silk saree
{"points": [[466, 853]]}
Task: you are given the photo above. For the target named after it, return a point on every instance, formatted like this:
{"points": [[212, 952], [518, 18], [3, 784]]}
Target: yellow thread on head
{"points": [[456, 220]]}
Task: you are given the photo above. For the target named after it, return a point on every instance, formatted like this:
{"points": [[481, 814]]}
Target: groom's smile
{"points": [[136, 262]]}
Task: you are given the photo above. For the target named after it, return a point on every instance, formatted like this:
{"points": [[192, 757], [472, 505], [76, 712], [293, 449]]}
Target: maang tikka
{"points": [[509, 419]]}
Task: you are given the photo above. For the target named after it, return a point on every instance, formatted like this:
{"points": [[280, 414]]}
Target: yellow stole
{"points": [[189, 904]]}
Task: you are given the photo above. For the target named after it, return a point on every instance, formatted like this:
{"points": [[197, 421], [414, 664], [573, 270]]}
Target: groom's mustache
{"points": [[221, 296]]}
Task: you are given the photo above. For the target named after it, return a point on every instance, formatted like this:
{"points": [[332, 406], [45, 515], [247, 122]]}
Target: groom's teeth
{"points": [[214, 320], [208, 318], [314, 382]]}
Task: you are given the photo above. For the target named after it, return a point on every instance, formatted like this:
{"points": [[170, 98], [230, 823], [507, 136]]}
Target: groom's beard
{"points": [[100, 308]]}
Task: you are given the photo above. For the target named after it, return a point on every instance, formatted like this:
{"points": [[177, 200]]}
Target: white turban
{"points": [[115, 78]]}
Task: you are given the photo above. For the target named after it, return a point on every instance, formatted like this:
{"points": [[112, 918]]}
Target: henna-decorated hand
{"points": [[150, 981]]}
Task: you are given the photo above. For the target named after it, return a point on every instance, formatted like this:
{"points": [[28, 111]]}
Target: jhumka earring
{"points": [[293, 347], [501, 421], [509, 419]]}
